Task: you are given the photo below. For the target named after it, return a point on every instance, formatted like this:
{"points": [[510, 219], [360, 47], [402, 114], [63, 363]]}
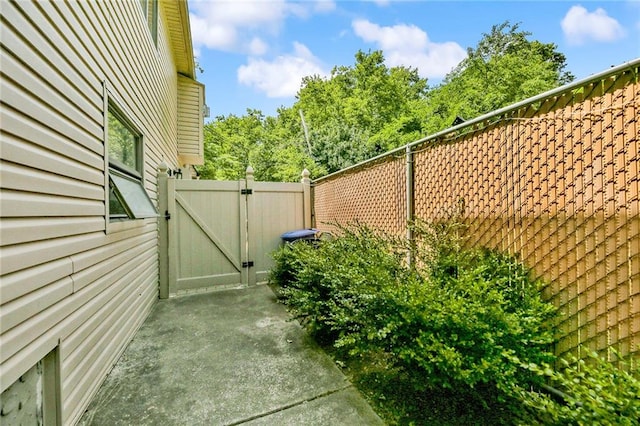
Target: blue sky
{"points": [[255, 52]]}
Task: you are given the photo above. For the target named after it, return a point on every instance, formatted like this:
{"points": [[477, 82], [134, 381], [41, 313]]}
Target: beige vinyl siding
{"points": [[99, 271], [13, 231], [190, 138], [65, 280]]}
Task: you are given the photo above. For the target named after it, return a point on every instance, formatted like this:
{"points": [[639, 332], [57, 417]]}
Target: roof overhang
{"points": [[176, 15]]}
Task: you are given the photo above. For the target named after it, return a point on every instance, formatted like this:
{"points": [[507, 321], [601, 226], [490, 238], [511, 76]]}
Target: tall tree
{"points": [[228, 142], [360, 110], [367, 108], [505, 67], [233, 143]]}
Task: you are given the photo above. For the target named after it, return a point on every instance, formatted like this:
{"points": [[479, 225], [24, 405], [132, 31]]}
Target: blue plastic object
{"points": [[300, 234]]}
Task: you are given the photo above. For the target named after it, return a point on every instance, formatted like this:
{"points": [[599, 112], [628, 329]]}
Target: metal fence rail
{"points": [[554, 179]]}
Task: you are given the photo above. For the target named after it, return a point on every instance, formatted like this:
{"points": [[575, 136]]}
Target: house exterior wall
{"points": [[190, 131], [70, 280]]}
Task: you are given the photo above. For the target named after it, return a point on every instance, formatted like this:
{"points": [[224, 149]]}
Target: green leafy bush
{"points": [[597, 392], [456, 319], [461, 328], [334, 287], [466, 325]]}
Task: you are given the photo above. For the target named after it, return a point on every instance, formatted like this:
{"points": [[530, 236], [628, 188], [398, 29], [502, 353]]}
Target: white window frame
{"points": [[111, 103]]}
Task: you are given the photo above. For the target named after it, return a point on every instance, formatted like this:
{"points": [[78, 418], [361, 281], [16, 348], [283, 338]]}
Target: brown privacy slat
{"points": [[559, 187], [375, 195]]}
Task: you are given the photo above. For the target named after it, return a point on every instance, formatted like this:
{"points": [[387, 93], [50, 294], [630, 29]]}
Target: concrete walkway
{"points": [[226, 358]]}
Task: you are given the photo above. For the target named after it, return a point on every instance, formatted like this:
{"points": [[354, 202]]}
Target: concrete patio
{"points": [[226, 358]]}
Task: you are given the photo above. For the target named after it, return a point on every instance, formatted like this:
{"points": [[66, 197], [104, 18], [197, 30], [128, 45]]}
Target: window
{"points": [[127, 196], [150, 13]]}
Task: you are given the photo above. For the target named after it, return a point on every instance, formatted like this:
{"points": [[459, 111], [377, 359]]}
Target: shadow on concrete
{"points": [[225, 358]]}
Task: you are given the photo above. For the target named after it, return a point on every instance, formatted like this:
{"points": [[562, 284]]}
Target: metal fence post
{"points": [[250, 217], [163, 231], [306, 202], [410, 205]]}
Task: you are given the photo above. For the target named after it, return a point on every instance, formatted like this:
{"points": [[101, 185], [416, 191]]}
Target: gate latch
{"points": [[246, 191], [167, 215], [247, 264]]}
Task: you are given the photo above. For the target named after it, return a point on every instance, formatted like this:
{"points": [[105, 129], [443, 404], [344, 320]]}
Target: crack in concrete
{"points": [[289, 406]]}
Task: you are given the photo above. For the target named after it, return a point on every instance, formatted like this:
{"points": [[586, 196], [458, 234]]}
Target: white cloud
{"points": [[233, 25], [409, 45], [580, 26], [304, 9], [241, 13], [257, 47], [220, 24], [210, 35], [280, 78], [324, 6]]}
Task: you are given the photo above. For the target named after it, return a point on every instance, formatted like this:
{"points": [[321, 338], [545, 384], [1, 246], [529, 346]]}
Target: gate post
{"points": [[163, 231], [306, 200], [250, 233]]}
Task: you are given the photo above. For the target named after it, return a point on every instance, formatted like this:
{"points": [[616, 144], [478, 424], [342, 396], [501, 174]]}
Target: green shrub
{"points": [[334, 286], [597, 392], [459, 319], [460, 326]]}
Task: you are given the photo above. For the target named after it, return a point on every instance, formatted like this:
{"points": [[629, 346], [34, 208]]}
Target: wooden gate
{"points": [[220, 234]]}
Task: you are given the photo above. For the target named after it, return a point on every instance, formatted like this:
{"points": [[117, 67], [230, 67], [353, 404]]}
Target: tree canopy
{"points": [[233, 143], [504, 68], [368, 108], [360, 111]]}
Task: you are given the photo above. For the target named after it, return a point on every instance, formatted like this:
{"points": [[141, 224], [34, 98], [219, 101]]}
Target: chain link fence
{"points": [[554, 180]]}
